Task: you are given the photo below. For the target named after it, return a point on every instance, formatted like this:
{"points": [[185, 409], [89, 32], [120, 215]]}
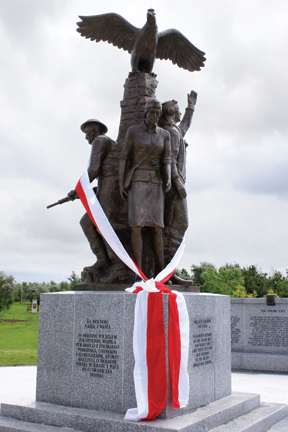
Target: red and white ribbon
{"points": [[150, 355], [92, 206], [149, 332]]}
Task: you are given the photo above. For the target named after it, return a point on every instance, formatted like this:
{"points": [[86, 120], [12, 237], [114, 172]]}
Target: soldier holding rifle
{"points": [[103, 166]]}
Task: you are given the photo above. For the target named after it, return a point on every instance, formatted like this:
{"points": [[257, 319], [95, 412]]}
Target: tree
{"points": [[183, 274], [64, 286], [278, 284], [74, 279], [197, 272], [254, 281], [239, 292], [35, 289], [226, 280], [7, 286]]}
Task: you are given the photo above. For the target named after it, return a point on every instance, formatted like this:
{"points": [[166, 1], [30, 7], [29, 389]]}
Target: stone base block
{"points": [[85, 353], [75, 419], [260, 362]]}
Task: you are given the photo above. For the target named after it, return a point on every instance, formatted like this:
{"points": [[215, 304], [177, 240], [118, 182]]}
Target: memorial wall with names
{"points": [[259, 334], [255, 326]]}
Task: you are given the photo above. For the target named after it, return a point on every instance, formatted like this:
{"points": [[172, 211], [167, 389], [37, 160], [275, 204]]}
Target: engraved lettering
{"points": [[235, 331], [268, 331], [202, 343], [97, 351]]}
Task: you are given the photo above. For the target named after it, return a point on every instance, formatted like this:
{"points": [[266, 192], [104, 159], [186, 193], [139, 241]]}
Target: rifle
{"points": [[61, 201], [70, 197]]}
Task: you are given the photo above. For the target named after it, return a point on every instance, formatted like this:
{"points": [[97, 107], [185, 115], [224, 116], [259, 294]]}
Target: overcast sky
{"points": [[52, 80]]}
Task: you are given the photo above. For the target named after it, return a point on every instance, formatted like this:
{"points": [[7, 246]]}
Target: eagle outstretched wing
{"points": [[109, 27], [174, 46]]}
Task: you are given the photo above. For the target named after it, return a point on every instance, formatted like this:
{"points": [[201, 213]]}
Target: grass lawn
{"points": [[19, 338]]}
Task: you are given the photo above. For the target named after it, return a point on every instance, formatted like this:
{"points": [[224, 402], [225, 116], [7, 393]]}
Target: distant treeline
{"points": [[11, 291], [236, 281], [229, 279]]}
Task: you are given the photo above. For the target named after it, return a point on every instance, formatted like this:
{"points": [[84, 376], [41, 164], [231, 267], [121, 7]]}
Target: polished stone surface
{"points": [[86, 364], [86, 358]]}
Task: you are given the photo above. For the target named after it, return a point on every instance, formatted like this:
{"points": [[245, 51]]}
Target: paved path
{"points": [[18, 385], [271, 387]]}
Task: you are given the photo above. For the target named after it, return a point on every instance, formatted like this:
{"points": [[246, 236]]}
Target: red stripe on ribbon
{"points": [[174, 347], [82, 196], [156, 356]]}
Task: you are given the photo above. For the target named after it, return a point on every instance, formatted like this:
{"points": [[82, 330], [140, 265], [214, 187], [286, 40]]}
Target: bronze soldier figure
{"points": [[148, 151], [103, 166], [176, 212]]}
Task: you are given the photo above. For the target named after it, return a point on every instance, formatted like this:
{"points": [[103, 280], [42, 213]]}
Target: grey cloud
{"points": [[21, 19], [259, 168]]}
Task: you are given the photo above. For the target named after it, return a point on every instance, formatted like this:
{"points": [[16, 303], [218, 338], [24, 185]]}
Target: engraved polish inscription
{"points": [[97, 349], [268, 331], [235, 330], [202, 343]]}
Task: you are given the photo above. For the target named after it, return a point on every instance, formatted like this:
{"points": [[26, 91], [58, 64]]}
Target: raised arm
{"points": [[187, 118]]}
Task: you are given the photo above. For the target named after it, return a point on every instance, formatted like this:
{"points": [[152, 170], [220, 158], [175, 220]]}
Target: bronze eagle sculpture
{"points": [[143, 44]]}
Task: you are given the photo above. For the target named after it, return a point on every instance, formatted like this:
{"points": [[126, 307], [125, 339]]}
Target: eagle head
{"points": [[151, 16]]}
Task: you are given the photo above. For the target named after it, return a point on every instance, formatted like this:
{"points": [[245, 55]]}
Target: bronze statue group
{"points": [[141, 188], [141, 182]]}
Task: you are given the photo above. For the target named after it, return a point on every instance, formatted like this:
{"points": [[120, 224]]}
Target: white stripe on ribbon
{"points": [[183, 386], [140, 368]]}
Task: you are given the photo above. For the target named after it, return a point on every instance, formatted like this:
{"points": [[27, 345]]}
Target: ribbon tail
{"points": [[178, 339], [150, 358]]}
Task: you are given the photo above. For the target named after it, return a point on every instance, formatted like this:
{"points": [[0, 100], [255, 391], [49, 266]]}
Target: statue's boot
{"points": [[118, 274], [119, 271], [98, 265], [88, 278], [176, 280]]}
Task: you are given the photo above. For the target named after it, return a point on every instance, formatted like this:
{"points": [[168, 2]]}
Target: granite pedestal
{"points": [[85, 353]]}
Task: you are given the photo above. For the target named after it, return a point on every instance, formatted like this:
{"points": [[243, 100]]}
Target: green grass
{"points": [[19, 340]]}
